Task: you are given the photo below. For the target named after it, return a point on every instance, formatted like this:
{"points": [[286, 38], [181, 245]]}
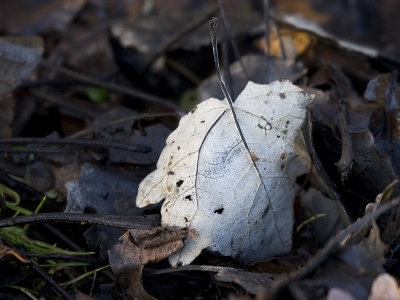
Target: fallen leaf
{"points": [[136, 248], [18, 57], [240, 207]]}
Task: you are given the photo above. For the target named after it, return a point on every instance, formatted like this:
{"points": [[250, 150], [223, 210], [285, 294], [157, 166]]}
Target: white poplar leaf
{"points": [[234, 193]]}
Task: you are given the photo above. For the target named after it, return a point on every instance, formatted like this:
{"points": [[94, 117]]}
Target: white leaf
{"points": [[237, 197]]}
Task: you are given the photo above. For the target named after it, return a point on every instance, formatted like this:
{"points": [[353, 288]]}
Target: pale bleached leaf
{"points": [[234, 193]]}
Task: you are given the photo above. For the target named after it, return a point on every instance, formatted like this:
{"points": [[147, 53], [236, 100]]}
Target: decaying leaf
{"points": [[136, 248], [240, 206]]}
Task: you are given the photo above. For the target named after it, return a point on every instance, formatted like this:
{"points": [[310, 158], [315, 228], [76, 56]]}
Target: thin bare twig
{"points": [[112, 86], [176, 37], [77, 142], [63, 293], [232, 41], [225, 59], [90, 130], [144, 222], [321, 256]]}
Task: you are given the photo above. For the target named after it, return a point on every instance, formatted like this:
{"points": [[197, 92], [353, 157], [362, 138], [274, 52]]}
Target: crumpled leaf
{"points": [[138, 247], [235, 193]]}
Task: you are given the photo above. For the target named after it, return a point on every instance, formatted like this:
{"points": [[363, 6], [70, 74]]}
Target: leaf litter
{"points": [[317, 64]]}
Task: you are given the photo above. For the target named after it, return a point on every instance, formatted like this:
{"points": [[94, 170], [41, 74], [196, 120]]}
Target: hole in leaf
{"points": [[219, 211], [179, 183], [188, 197]]}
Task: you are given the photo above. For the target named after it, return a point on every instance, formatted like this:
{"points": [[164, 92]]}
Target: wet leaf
{"points": [[229, 183]]}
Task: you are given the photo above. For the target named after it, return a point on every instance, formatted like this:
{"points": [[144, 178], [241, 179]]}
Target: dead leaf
{"points": [[240, 207], [18, 57], [139, 247], [7, 251], [107, 191]]}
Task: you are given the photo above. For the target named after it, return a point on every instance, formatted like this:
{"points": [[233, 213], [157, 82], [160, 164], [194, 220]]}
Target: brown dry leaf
{"points": [[295, 43], [138, 247], [4, 251]]}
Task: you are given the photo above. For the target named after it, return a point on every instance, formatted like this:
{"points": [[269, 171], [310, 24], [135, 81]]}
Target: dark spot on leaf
{"points": [[179, 264], [194, 109], [282, 166], [219, 211], [202, 121], [282, 95], [254, 156], [186, 219], [179, 183], [265, 211], [188, 197], [283, 156], [179, 148], [170, 173], [287, 122], [278, 136]]}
